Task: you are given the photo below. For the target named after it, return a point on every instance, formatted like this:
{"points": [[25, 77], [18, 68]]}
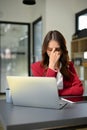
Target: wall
{"points": [[14, 10]]}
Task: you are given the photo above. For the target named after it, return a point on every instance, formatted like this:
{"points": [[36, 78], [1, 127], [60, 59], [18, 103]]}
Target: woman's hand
{"points": [[53, 58]]}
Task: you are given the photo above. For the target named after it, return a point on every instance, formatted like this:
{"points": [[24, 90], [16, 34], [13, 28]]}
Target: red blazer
{"points": [[72, 87]]}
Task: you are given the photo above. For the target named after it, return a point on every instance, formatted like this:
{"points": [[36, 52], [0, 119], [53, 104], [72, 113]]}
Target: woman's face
{"points": [[51, 45]]}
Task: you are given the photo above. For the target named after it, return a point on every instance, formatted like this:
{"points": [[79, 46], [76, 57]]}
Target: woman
{"points": [[55, 63]]}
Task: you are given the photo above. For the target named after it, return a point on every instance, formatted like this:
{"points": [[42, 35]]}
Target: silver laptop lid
{"points": [[34, 91]]}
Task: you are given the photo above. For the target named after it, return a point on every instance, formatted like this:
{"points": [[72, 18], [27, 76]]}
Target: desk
{"points": [[27, 118]]}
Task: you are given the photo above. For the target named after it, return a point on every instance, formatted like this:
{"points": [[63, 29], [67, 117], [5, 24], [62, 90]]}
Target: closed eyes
{"points": [[56, 49]]}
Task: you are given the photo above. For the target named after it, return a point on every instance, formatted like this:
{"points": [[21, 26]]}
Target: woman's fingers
{"points": [[53, 50], [54, 57]]}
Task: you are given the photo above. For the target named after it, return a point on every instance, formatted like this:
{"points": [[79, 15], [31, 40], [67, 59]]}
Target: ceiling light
{"points": [[29, 2]]}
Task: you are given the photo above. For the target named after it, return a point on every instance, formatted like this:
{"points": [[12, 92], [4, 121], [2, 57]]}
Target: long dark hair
{"points": [[64, 59]]}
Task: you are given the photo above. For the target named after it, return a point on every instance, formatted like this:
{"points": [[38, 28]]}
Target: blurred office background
{"points": [[23, 27]]}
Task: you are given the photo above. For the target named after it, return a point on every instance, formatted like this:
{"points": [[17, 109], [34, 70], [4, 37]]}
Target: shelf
{"points": [[80, 39], [84, 64], [78, 47]]}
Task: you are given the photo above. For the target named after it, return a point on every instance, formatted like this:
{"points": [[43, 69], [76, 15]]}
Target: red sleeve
{"points": [[37, 70], [76, 89], [51, 73]]}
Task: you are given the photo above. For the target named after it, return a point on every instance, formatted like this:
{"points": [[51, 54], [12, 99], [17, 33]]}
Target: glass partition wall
{"points": [[37, 39], [14, 51]]}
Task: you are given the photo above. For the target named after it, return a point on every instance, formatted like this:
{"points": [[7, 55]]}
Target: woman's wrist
{"points": [[51, 66], [54, 70]]}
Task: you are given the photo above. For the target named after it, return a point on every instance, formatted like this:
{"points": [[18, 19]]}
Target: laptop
{"points": [[35, 92]]}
